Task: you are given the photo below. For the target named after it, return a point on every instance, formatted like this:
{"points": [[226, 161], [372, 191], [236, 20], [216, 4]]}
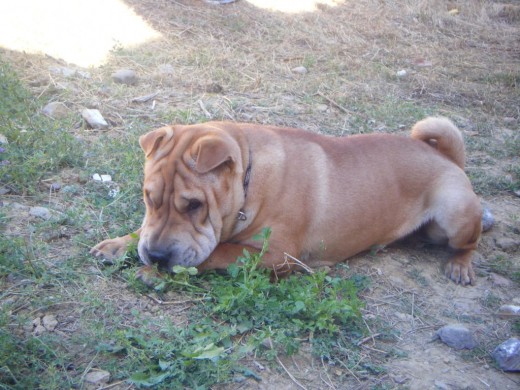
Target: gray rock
{"points": [[40, 212], [488, 220], [56, 110], [299, 70], [507, 355], [125, 76], [456, 336], [97, 377], [3, 139], [94, 119]]}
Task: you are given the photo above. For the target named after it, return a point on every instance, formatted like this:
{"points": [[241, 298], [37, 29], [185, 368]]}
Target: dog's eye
{"points": [[193, 205]]}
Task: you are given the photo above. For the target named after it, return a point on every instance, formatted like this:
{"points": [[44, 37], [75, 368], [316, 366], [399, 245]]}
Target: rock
{"points": [[56, 110], [125, 76], [94, 118], [97, 377], [517, 193], [39, 330], [62, 71], [401, 73], [508, 311], [49, 322], [488, 220], [3, 139], [40, 212], [103, 178], [55, 187], [440, 385], [507, 244], [166, 69], [299, 70], [507, 355], [499, 280], [456, 336]]}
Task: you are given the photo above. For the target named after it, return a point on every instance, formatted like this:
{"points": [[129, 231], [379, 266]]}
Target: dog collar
{"points": [[247, 177]]}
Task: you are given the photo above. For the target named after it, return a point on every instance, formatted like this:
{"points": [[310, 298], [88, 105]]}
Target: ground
{"points": [[340, 68]]}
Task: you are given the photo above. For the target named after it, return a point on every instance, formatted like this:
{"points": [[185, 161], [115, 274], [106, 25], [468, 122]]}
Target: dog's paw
{"points": [[110, 249], [460, 273]]}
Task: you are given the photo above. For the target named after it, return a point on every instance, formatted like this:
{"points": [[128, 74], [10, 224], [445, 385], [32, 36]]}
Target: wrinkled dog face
{"points": [[191, 188]]}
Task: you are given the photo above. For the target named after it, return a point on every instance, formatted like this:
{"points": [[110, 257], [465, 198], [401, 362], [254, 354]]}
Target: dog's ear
{"points": [[212, 151], [151, 141]]}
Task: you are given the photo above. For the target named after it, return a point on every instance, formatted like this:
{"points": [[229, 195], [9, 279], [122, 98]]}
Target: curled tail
{"points": [[443, 135]]}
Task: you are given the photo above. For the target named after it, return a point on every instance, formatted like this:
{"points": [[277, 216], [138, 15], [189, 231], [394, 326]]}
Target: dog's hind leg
{"points": [[458, 214]]}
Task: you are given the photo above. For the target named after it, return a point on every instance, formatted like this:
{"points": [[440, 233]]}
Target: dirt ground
{"points": [[370, 66]]}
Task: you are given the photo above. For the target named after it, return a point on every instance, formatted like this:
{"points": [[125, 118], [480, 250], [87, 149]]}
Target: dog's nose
{"points": [[160, 258]]}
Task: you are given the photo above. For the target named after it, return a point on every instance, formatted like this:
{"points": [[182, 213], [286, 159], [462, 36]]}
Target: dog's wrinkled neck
{"points": [[247, 177]]}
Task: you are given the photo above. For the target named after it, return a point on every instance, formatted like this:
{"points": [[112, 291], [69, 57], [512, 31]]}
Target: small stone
{"points": [[499, 280], [488, 220], [507, 355], [49, 322], [39, 330], [440, 385], [299, 70], [507, 244], [508, 311], [94, 118], [3, 139], [322, 107], [62, 71], [55, 187], [125, 76], [97, 377], [517, 193], [456, 336], [401, 73], [40, 212], [56, 110], [166, 69], [102, 178]]}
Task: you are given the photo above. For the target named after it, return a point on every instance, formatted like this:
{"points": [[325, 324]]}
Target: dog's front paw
{"points": [[110, 249], [460, 273]]}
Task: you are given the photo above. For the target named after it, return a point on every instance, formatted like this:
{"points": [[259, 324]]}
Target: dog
{"points": [[210, 188]]}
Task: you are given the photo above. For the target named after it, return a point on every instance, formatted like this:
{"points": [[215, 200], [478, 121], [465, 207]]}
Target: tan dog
{"points": [[209, 188]]}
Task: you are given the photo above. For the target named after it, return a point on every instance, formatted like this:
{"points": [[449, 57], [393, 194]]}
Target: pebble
{"points": [[299, 70], [488, 220], [517, 193], [507, 244], [55, 187], [56, 110], [499, 280], [103, 178], [166, 69], [97, 377], [40, 212], [401, 73], [3, 139], [508, 311], [94, 118], [507, 355], [49, 322], [125, 76], [456, 336]]}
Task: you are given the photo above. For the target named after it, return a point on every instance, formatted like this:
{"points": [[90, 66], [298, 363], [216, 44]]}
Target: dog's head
{"points": [[192, 191]]}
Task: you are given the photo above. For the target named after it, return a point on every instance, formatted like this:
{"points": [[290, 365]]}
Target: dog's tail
{"points": [[443, 135]]}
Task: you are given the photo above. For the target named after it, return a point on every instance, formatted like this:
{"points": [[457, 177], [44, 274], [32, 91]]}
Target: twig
{"points": [[297, 262], [339, 106], [349, 370], [371, 337], [203, 108], [286, 370], [161, 302]]}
